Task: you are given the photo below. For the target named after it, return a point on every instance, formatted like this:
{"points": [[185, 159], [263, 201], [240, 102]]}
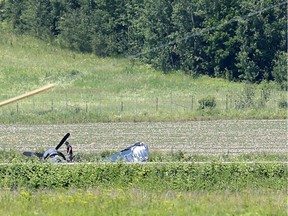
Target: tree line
{"points": [[240, 40]]}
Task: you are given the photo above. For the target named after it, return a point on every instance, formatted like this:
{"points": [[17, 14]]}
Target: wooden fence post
{"points": [[192, 102], [66, 100], [157, 104], [171, 102]]}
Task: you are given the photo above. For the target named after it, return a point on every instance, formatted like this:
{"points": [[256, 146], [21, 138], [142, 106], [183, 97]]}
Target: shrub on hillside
{"points": [[207, 102], [283, 103]]}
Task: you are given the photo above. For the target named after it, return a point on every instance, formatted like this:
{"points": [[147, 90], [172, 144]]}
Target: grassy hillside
{"points": [[92, 89]]}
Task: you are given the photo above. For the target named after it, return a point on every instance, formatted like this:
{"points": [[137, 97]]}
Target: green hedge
{"points": [[155, 176]]}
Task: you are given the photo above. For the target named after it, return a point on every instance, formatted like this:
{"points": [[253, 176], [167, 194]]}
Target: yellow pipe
{"points": [[11, 100]]}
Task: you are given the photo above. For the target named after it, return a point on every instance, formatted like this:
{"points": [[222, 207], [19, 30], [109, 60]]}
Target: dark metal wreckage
{"points": [[53, 154], [134, 153]]}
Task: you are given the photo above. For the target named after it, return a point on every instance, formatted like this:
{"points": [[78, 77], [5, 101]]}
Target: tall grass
{"points": [[140, 202], [92, 89], [155, 156]]}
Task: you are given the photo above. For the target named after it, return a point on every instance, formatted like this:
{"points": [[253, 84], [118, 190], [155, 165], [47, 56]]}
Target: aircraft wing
{"points": [[135, 153]]}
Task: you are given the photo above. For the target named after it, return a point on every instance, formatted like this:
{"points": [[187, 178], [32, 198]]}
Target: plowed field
{"points": [[197, 137]]}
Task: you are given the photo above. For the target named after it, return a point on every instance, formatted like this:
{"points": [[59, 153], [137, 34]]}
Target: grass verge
{"points": [[140, 202]]}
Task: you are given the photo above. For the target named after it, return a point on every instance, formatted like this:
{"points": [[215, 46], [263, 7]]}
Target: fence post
{"points": [[100, 106], [192, 102], [262, 97], [171, 102], [157, 104], [66, 100], [137, 103], [276, 104], [122, 106]]}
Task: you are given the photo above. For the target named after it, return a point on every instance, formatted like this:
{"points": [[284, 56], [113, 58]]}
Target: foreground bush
{"points": [[155, 176]]}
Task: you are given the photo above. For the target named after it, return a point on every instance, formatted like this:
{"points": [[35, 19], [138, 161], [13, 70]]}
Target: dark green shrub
{"points": [[207, 102], [279, 71], [283, 103], [246, 98]]}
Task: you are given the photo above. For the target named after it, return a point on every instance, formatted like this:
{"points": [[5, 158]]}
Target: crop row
{"points": [[196, 137], [174, 176]]}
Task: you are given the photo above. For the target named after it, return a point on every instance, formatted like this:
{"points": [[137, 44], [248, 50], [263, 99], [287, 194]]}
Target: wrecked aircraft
{"points": [[134, 153]]}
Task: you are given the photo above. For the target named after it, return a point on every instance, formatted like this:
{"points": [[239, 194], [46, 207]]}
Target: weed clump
{"points": [[207, 102]]}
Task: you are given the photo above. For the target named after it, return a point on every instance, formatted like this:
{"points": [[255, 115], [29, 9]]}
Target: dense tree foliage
{"points": [[237, 40]]}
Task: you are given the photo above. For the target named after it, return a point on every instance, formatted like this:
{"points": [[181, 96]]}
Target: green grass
{"points": [[139, 202], [210, 176], [143, 189], [155, 156], [93, 89]]}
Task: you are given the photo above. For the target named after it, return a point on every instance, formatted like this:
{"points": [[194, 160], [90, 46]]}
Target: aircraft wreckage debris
{"points": [[134, 153]]}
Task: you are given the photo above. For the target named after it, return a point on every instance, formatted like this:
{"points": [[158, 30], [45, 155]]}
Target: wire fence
{"points": [[136, 103]]}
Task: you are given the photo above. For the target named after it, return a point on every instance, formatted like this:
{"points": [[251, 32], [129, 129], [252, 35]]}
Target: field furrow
{"points": [[198, 137]]}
